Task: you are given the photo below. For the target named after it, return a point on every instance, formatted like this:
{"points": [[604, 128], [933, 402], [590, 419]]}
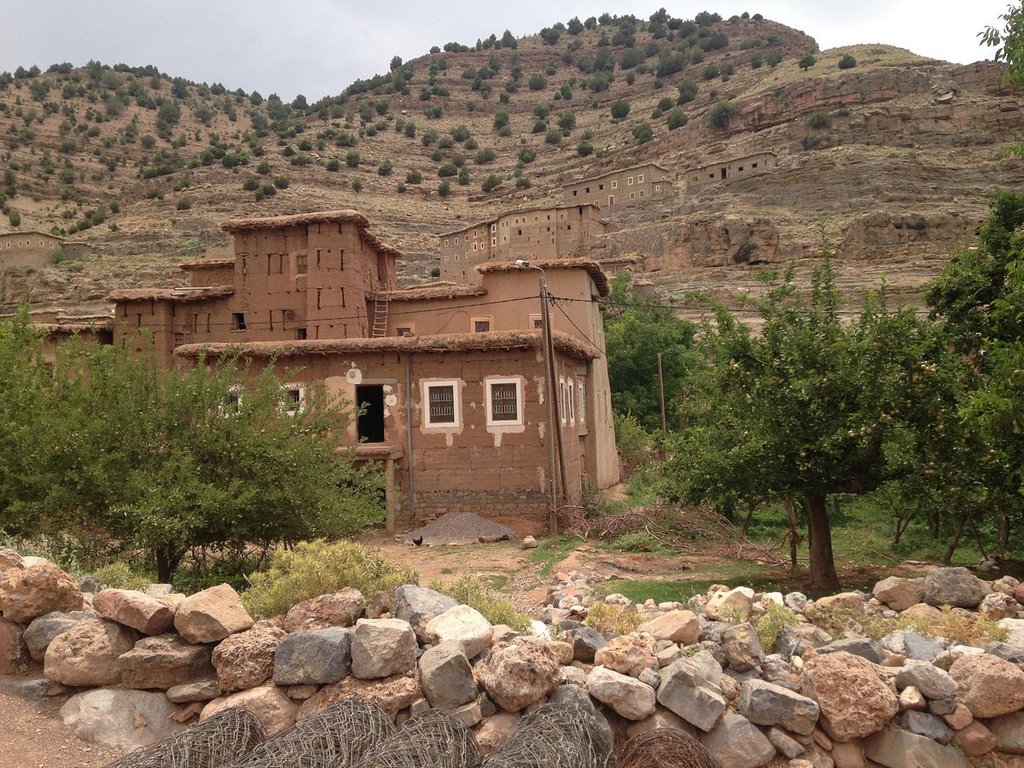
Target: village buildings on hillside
{"points": [[731, 169], [633, 185], [451, 379]]}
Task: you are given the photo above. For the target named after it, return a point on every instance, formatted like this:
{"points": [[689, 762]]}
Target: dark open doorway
{"points": [[370, 399]]}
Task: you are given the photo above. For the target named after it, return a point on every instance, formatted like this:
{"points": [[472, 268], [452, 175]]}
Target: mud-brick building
{"points": [[27, 249], [450, 378], [627, 186], [532, 233], [730, 170]]}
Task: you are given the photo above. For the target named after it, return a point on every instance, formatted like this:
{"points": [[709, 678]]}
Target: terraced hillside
{"points": [[887, 154]]}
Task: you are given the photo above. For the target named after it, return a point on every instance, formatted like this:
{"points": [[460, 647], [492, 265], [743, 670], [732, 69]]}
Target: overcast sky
{"points": [[318, 47]]}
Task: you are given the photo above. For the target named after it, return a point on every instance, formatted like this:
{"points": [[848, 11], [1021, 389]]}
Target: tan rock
{"points": [[681, 627], [246, 659], [846, 602], [911, 698], [13, 651], [391, 694], [899, 593], [627, 696], [211, 615], [662, 718], [382, 648], [959, 718], [923, 612], [989, 686], [338, 609], [848, 755], [1018, 593], [496, 729], [855, 701], [134, 609], [564, 651], [462, 623], [39, 589], [975, 739], [996, 605], [519, 674], [268, 703], [10, 560], [629, 654], [89, 654], [163, 662], [733, 604]]}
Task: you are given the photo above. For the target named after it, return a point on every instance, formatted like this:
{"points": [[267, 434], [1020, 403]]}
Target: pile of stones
{"points": [[135, 666]]}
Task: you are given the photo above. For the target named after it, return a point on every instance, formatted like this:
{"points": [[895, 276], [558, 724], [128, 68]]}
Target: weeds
{"points": [[775, 618], [610, 619], [472, 591]]}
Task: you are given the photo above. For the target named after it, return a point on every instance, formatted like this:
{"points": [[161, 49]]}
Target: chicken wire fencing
{"points": [[563, 735]]}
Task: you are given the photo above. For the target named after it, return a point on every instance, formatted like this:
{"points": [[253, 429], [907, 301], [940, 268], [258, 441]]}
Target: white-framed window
{"points": [[615, 183], [456, 241], [581, 401], [629, 181], [231, 405], [657, 187], [571, 402], [494, 227], [293, 399], [446, 242], [480, 324], [561, 400], [640, 179], [632, 195], [442, 403], [494, 242], [504, 401], [536, 321]]}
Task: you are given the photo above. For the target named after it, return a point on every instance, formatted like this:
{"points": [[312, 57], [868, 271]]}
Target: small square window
{"points": [[238, 321], [494, 242], [629, 181], [300, 264], [481, 326], [293, 399], [405, 330], [615, 183], [504, 401], [753, 165], [442, 404], [640, 179]]}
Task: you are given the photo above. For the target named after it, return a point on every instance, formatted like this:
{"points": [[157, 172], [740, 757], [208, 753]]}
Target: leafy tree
{"points": [[537, 82], [1008, 42], [620, 109], [807, 61], [492, 182], [643, 133], [444, 189], [811, 406], [721, 115]]}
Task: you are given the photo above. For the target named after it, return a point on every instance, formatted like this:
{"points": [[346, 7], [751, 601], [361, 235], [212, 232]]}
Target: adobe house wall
{"points": [[216, 272], [19, 250], [622, 187], [727, 170]]}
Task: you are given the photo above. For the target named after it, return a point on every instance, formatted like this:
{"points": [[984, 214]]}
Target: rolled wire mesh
{"points": [[212, 743], [564, 735], [336, 737], [433, 739], [665, 748]]}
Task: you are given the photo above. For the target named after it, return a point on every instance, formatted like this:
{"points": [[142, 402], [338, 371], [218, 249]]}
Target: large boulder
{"points": [[165, 661], [124, 720], [737, 743], [975, 739], [41, 631], [899, 593], [338, 609], [797, 640], [211, 615], [462, 623], [742, 647], [134, 609], [933, 682], [954, 586], [767, 704], [586, 642], [10, 560], [691, 688], [392, 694], [627, 696], [996, 605], [989, 686], [314, 657], [446, 675], [418, 605], [519, 673], [1008, 731], [13, 652], [89, 654], [382, 647], [246, 659], [629, 654], [682, 627], [39, 589], [731, 604], [267, 702], [900, 749], [855, 701]]}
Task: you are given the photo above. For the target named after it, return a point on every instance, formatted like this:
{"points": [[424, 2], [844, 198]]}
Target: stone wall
{"points": [[136, 666]]}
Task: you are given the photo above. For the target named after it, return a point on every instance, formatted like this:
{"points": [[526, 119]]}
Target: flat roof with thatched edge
{"points": [[171, 294], [237, 226], [431, 291], [453, 342], [518, 212], [589, 265], [606, 174], [226, 261]]}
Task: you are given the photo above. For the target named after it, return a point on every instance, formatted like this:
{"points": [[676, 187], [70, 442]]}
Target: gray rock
{"points": [[1006, 652], [41, 631], [164, 661], [769, 704], [785, 743], [924, 724], [314, 657], [713, 632], [89, 583], [794, 641], [795, 601], [776, 669], [738, 743], [912, 645], [571, 694], [858, 646], [649, 677], [942, 706], [446, 676], [418, 605], [586, 642], [933, 682], [626, 696], [31, 688], [121, 719], [382, 647], [900, 749], [954, 586], [685, 690], [742, 647], [1009, 732], [203, 690]]}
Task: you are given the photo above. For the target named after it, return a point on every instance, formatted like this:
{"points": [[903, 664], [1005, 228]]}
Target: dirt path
{"points": [[33, 736]]}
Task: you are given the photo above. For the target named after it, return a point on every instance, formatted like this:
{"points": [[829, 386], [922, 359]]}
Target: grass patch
{"points": [[551, 551], [477, 593], [120, 575]]}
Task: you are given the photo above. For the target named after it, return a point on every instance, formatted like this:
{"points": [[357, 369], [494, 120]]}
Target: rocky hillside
{"points": [[887, 154]]}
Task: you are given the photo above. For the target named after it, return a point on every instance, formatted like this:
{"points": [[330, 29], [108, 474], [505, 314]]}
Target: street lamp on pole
{"points": [[554, 423]]}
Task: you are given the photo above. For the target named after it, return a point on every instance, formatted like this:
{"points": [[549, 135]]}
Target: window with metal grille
{"points": [[441, 402], [504, 402], [481, 326]]}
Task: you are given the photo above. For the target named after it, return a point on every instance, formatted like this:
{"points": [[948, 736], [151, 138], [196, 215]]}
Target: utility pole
{"points": [[661, 393]]}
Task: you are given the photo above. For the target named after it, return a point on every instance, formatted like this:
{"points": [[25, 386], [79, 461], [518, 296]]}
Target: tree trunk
{"points": [[823, 568], [954, 540], [794, 536], [1004, 532], [167, 561]]}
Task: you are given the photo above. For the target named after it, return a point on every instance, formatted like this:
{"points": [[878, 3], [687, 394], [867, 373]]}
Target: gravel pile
{"points": [[458, 528]]}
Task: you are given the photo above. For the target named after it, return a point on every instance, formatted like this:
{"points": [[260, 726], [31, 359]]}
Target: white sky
{"points": [[318, 47]]}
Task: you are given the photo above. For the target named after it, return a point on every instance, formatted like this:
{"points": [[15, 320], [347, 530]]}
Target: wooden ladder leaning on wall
{"points": [[380, 315]]}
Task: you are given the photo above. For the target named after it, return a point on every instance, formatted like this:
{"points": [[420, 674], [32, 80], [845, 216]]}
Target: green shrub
{"points": [[357, 184], [620, 109], [448, 169], [334, 164], [314, 568], [281, 182], [385, 168], [721, 114], [472, 591], [184, 203], [676, 119], [490, 183], [527, 155], [352, 159], [643, 133], [120, 575], [15, 218], [460, 133], [500, 119], [775, 618], [635, 444], [584, 149], [553, 137], [464, 175], [610, 619], [807, 61], [444, 189], [687, 92], [264, 168], [848, 61], [537, 82], [435, 271], [413, 177], [819, 119], [484, 156]]}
